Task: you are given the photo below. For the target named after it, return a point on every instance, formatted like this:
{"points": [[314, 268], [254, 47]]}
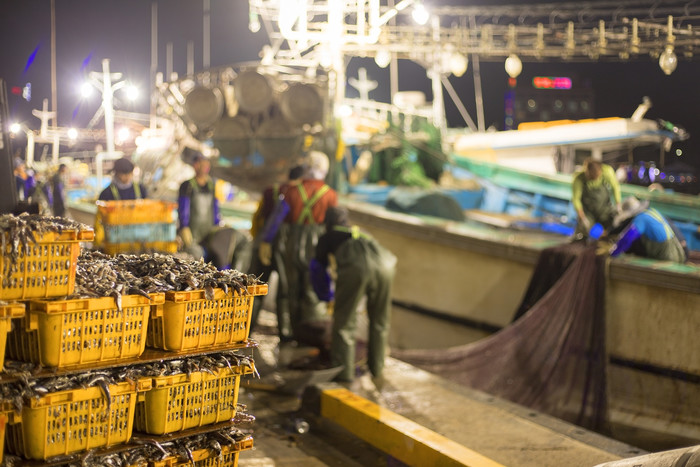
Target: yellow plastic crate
{"points": [[208, 458], [139, 247], [5, 417], [178, 402], [43, 269], [69, 332], [136, 211], [7, 312], [190, 321], [76, 420]]}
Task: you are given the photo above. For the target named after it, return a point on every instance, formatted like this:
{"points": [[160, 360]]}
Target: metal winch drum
{"points": [[253, 92], [301, 104], [204, 106]]}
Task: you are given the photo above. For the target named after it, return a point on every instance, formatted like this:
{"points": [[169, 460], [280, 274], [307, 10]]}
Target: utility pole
{"points": [[54, 92]]}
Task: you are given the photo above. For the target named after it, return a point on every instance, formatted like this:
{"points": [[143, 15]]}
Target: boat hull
{"points": [[456, 284]]}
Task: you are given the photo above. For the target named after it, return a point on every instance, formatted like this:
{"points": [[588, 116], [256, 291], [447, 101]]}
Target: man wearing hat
{"points": [[200, 218], [123, 186], [655, 235]]}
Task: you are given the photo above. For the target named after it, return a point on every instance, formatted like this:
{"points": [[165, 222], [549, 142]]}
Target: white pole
{"points": [[55, 148], [30, 148], [107, 105], [207, 36], [154, 61]]}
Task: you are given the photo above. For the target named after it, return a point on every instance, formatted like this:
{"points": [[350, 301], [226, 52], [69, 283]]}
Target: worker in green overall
{"points": [[200, 218], [647, 233], [362, 268], [592, 189], [296, 239], [264, 260]]}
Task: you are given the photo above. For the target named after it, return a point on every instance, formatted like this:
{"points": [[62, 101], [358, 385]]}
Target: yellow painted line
{"points": [[398, 436]]}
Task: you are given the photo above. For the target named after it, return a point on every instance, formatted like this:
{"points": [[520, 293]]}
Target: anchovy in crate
{"points": [[100, 275]]}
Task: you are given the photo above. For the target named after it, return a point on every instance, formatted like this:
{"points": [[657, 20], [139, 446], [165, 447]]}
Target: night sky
{"points": [[88, 31]]}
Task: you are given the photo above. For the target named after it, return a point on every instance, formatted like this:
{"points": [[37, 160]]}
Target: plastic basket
{"points": [[179, 402], [139, 247], [208, 458], [7, 312], [190, 321], [136, 211], [5, 417], [70, 332], [43, 269], [76, 420], [137, 233]]}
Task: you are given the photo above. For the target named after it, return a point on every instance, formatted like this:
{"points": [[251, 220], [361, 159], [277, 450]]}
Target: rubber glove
{"points": [[265, 253], [321, 281], [186, 236]]}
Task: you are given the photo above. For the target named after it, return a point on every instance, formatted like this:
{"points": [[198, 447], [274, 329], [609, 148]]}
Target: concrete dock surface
{"points": [[382, 422]]}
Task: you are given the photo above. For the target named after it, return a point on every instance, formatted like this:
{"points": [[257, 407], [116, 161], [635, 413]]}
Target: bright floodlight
{"points": [[132, 92], [123, 134], [344, 111], [15, 128], [72, 134], [86, 89], [420, 14]]}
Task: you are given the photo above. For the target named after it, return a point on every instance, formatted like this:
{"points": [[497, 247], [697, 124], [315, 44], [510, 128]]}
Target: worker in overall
{"points": [[592, 189], [263, 264], [123, 186], [648, 233], [295, 244], [200, 218], [58, 190], [362, 268]]}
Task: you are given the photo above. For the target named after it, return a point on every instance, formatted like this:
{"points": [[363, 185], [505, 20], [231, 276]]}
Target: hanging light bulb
{"points": [[254, 22], [513, 66], [383, 58], [420, 14], [458, 64], [668, 60]]}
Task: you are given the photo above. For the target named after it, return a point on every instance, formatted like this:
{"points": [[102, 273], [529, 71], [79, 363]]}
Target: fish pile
{"points": [[143, 451], [19, 232], [101, 275]]}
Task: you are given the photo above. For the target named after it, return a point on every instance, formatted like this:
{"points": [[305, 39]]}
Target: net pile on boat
{"points": [[552, 357]]}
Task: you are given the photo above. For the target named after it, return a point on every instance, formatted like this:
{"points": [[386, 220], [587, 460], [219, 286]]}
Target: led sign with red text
{"points": [[551, 82]]}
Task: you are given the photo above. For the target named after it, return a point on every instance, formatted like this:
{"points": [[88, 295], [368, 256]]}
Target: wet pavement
{"points": [[288, 432]]}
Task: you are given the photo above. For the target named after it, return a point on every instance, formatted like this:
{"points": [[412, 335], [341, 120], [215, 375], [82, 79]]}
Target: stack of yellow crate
{"points": [[137, 226], [85, 335]]}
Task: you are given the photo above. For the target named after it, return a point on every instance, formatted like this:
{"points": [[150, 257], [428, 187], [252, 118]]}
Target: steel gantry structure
{"points": [[321, 35]]}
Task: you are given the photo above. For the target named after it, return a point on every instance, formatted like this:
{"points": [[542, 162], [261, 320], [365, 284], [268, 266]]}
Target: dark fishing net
{"points": [[552, 357]]}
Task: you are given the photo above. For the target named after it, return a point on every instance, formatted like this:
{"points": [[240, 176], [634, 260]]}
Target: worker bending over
{"points": [[363, 268], [648, 233], [592, 189], [200, 218]]}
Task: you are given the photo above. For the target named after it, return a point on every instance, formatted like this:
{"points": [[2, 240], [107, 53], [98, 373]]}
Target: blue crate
{"points": [[133, 233]]}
